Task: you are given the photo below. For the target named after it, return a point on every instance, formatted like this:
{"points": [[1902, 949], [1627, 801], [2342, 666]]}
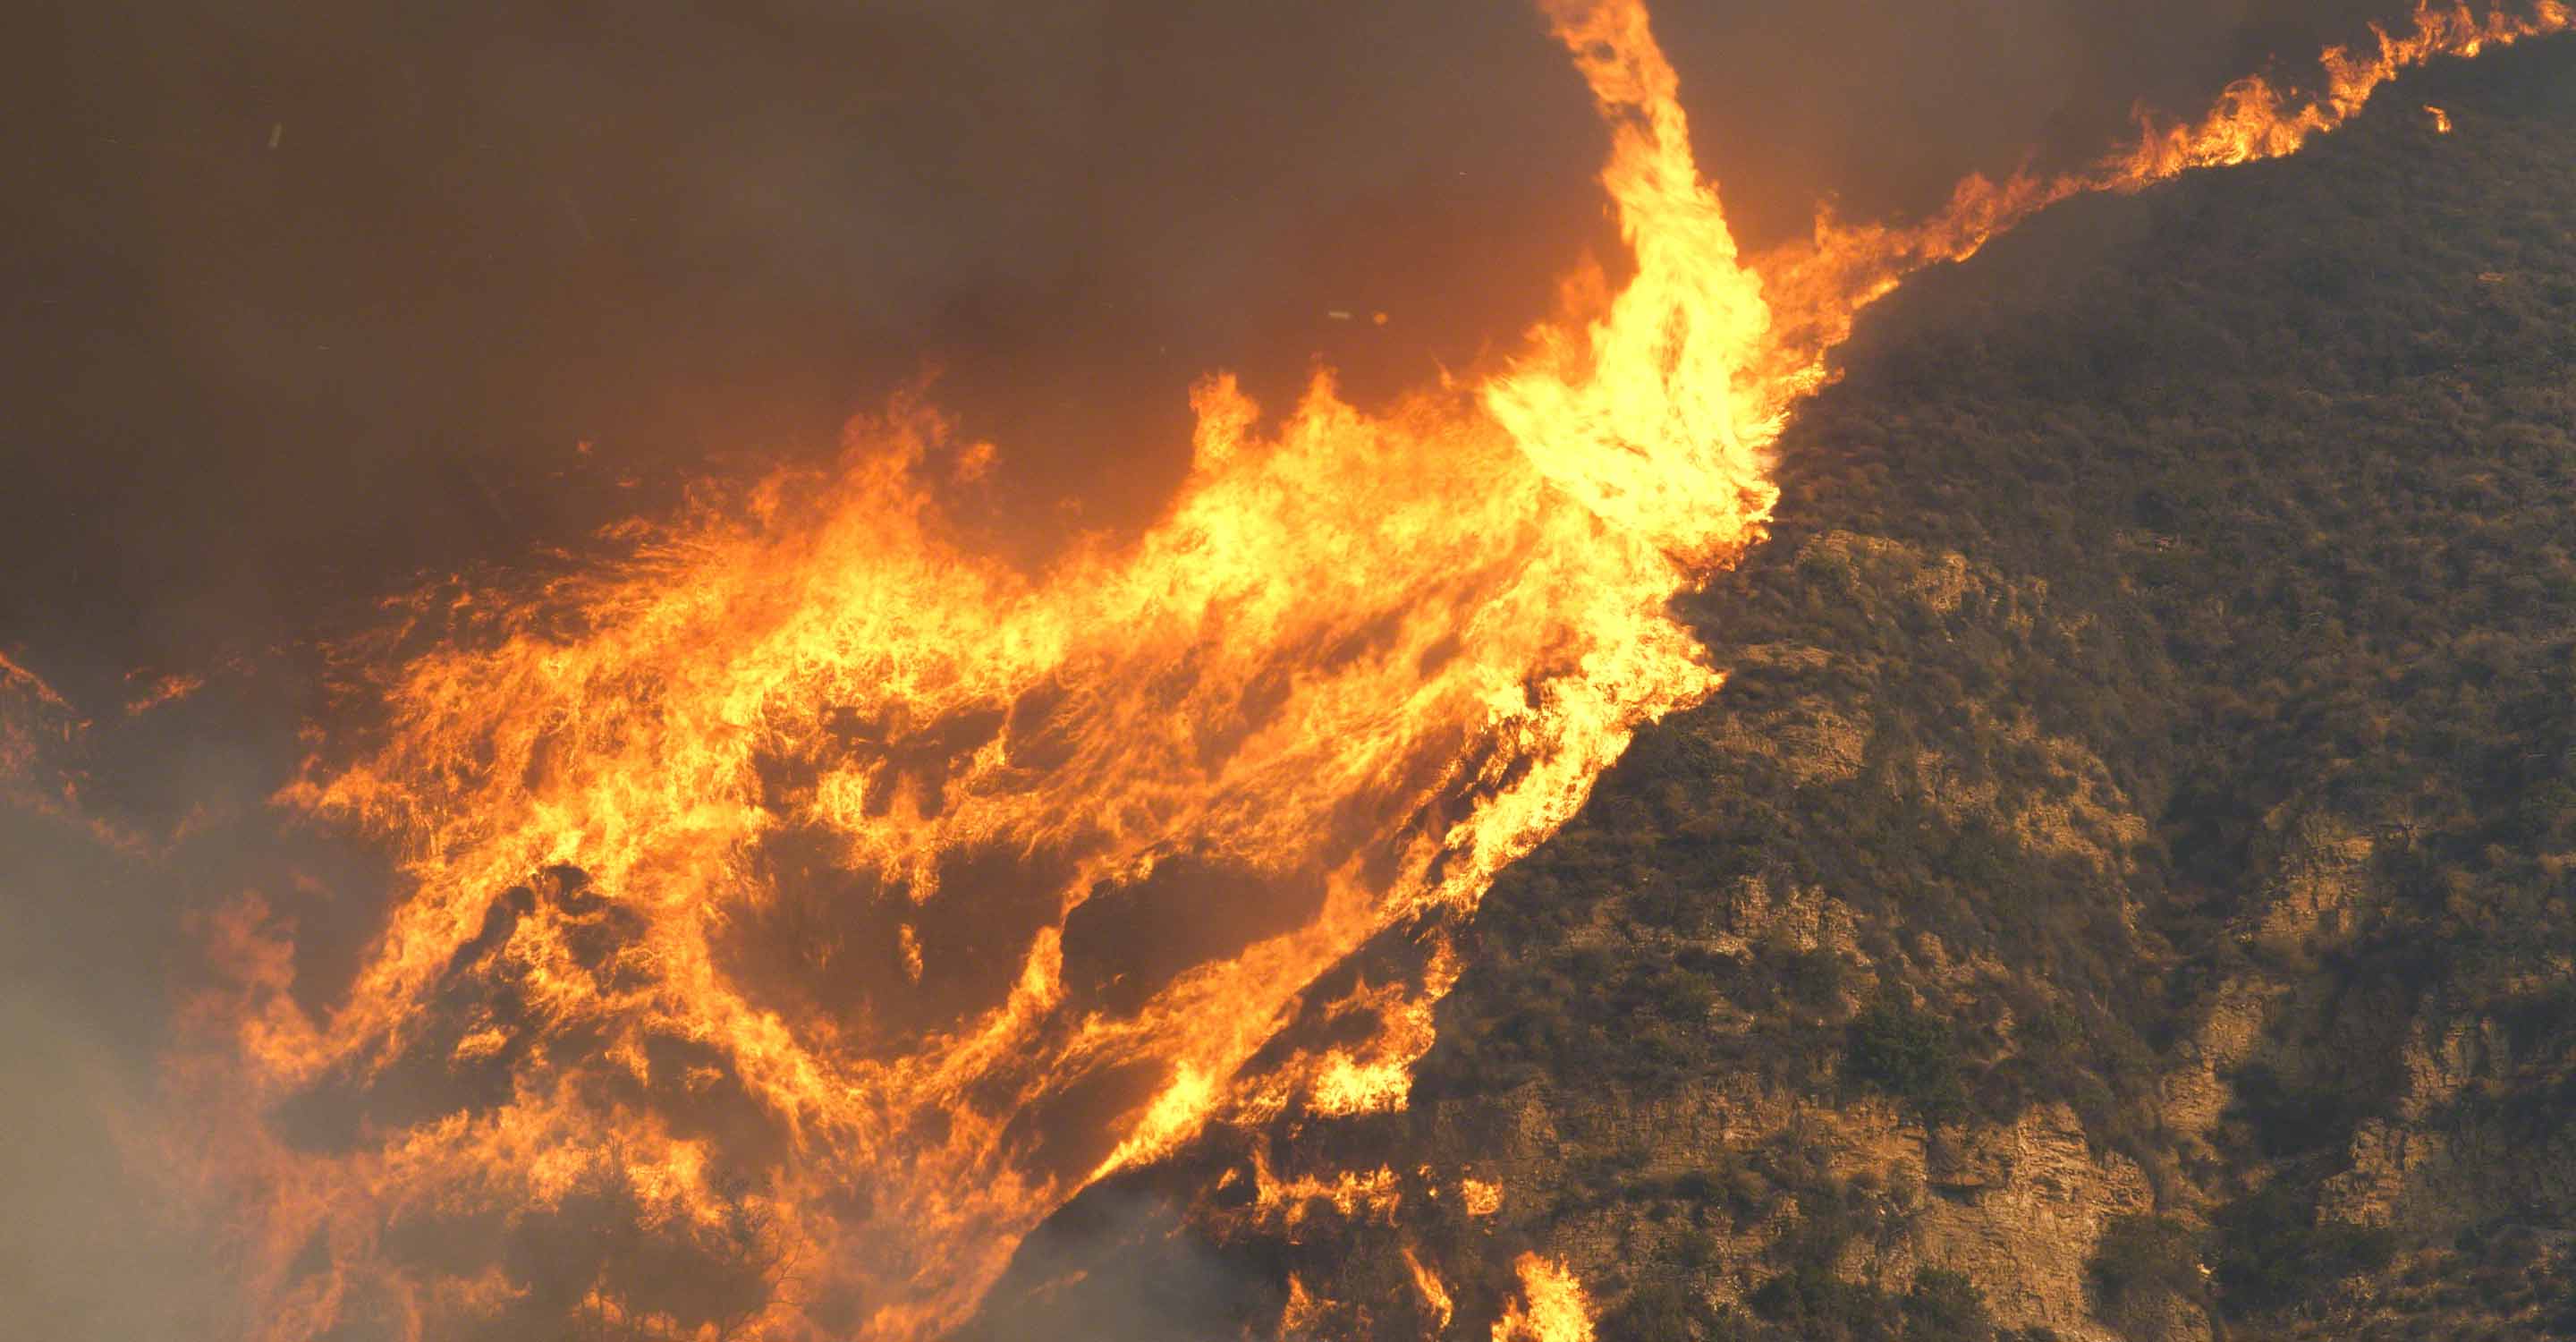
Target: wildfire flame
{"points": [[1552, 1307], [43, 741], [1435, 1296], [758, 882], [1828, 279], [34, 720]]}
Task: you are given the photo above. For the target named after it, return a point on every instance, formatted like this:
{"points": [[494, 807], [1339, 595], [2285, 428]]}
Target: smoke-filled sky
{"points": [[303, 300], [302, 297]]}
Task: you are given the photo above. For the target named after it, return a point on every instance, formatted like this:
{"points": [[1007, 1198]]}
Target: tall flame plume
{"points": [[756, 882]]}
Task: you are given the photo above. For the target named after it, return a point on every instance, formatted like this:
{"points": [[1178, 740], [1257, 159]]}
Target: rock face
{"points": [[2123, 890], [2022, 1215]]}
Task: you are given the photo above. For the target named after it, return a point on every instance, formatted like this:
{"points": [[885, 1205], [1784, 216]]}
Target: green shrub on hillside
{"points": [[1909, 1054]]}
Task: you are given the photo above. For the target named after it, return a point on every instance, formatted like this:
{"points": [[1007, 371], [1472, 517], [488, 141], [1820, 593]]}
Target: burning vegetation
{"points": [[804, 908]]}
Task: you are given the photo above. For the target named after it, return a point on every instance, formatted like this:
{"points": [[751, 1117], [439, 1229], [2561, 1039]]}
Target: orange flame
{"points": [[44, 749], [1363, 663], [1552, 1307], [35, 725], [1351, 1194], [754, 879], [1435, 1296], [1297, 1318], [161, 690], [1824, 282]]}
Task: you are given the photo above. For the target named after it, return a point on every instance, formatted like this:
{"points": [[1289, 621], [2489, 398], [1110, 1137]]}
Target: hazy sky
{"points": [[302, 297]]}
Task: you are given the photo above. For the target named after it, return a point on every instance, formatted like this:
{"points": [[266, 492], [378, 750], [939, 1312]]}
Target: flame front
{"points": [[818, 902], [1844, 267], [751, 875]]}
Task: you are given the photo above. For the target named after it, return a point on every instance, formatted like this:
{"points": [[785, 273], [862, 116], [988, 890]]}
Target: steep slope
{"points": [[2122, 890]]}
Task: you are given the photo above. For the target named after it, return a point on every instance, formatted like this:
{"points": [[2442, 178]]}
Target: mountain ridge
{"points": [[2121, 892]]}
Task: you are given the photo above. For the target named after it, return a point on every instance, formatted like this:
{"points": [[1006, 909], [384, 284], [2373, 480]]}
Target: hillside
{"points": [[2123, 889]]}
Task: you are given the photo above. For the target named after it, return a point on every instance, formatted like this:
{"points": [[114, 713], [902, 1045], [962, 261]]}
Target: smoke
{"points": [[82, 1254], [310, 297], [89, 1249], [308, 300], [1118, 1262]]}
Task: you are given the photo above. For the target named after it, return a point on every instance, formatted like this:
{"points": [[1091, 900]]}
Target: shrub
{"points": [[1813, 1302], [2273, 1254], [1909, 1054], [2139, 1259], [1660, 1311], [2289, 1120], [1945, 1307]]}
